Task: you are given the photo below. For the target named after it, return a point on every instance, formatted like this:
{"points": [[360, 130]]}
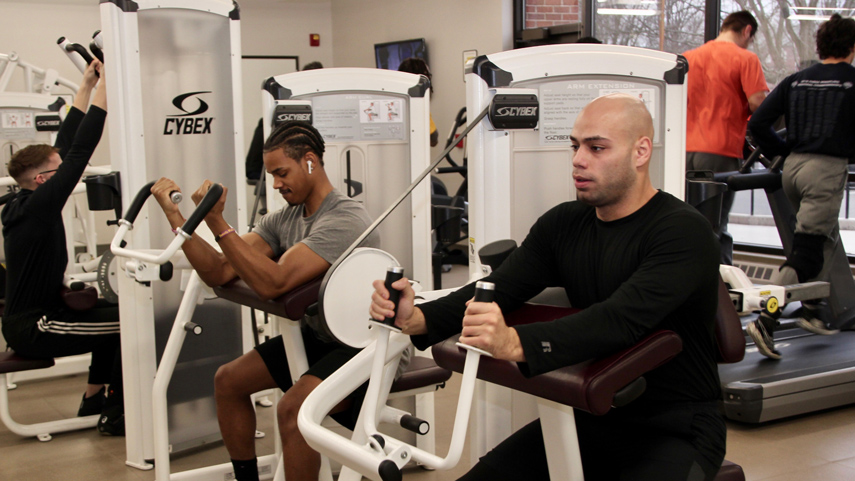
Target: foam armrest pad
{"points": [[11, 362], [590, 386], [291, 305]]}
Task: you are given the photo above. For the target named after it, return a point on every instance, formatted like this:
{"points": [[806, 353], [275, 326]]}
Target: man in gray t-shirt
{"points": [[288, 248]]}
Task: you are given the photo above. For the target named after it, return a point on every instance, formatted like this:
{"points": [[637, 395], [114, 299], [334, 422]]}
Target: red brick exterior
{"points": [[546, 13]]}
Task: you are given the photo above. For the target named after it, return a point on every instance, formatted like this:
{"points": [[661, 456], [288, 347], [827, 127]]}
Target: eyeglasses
{"points": [[45, 172]]}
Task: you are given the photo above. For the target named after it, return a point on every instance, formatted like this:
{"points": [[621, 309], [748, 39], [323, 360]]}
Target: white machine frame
{"points": [[121, 37], [492, 170], [300, 87]]}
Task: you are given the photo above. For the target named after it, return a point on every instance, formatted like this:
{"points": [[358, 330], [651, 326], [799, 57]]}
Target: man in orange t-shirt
{"points": [[726, 84]]}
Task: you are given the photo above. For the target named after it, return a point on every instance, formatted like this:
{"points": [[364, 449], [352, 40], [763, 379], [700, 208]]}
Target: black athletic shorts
{"points": [[324, 359]]}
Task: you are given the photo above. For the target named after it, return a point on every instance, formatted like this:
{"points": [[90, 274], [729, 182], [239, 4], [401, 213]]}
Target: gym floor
{"points": [[816, 446]]}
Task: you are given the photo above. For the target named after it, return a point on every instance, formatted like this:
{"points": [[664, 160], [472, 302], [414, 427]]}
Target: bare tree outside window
{"points": [[786, 36], [668, 25]]}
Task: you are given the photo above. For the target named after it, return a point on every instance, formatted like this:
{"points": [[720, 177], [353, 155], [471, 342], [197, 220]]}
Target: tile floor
{"points": [[820, 446]]}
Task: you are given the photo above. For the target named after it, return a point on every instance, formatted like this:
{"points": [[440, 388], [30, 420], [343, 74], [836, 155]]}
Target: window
{"points": [[669, 25]]}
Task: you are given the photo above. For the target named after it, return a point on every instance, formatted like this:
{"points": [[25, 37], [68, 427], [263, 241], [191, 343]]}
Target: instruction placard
{"points": [[561, 101], [360, 117]]}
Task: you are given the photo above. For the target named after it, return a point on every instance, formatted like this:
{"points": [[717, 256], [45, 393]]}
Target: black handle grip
{"points": [[392, 275], [414, 424], [138, 202], [208, 202], [484, 291], [389, 471], [96, 51], [80, 49]]}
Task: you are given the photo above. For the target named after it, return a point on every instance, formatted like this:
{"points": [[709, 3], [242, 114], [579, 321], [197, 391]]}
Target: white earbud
{"points": [[310, 166]]}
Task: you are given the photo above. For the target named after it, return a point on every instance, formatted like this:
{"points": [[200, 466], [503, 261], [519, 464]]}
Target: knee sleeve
{"points": [[806, 257]]}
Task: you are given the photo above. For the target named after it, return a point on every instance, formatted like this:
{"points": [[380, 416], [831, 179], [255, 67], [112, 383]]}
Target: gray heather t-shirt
{"points": [[328, 232]]}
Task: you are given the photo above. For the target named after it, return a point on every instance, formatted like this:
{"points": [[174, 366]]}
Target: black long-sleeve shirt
{"points": [[33, 230], [818, 104], [654, 269]]}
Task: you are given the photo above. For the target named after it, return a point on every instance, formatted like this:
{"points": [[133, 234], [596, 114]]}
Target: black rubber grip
{"points": [[80, 49], [484, 294], [96, 51], [392, 275], [138, 202], [208, 202], [758, 180], [389, 471], [414, 424]]}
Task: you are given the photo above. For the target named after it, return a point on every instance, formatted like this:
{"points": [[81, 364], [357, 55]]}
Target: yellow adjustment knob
{"points": [[772, 305]]}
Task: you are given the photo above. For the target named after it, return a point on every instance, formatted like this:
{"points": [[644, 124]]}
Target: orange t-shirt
{"points": [[722, 75]]}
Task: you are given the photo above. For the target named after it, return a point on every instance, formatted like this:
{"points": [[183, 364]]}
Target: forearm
{"points": [[261, 273], [211, 265], [81, 98]]}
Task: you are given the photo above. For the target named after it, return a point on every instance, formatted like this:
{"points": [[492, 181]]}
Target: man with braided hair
{"points": [[287, 249], [818, 104]]}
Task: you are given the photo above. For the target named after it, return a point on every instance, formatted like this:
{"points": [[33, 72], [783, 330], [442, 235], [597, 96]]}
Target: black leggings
{"points": [[68, 333], [682, 445]]}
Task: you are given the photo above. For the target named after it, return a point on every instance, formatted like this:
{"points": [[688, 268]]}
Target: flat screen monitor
{"points": [[389, 55]]}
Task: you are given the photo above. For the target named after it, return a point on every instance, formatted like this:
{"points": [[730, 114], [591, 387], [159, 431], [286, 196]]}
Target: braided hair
{"points": [[296, 139]]}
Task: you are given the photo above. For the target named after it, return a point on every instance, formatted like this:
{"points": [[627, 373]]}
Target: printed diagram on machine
{"points": [[377, 111]]}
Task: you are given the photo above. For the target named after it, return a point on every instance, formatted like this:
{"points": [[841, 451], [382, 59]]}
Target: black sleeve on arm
{"points": [[526, 272], [51, 196], [763, 120], [679, 256], [67, 131]]}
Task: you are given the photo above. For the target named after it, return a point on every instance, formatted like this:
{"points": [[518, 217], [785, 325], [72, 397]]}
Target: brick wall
{"points": [[546, 13]]}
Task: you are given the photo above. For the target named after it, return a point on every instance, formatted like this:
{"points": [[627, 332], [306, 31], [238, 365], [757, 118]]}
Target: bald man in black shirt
{"points": [[635, 260]]}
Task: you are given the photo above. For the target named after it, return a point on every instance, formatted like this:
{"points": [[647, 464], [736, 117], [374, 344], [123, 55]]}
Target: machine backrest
{"points": [[728, 328]]}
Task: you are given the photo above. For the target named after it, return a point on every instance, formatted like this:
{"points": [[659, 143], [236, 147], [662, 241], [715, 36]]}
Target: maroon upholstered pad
{"points": [[590, 386], [11, 362], [421, 371], [730, 472], [291, 305], [728, 328]]}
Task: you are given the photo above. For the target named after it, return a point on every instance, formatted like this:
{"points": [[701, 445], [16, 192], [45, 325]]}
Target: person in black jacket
{"points": [[635, 260], [818, 104], [36, 322]]}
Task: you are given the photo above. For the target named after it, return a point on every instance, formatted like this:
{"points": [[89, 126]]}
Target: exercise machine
{"points": [[175, 111]]}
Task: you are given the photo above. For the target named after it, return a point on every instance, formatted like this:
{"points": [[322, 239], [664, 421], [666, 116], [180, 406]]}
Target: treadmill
{"points": [[816, 372]]}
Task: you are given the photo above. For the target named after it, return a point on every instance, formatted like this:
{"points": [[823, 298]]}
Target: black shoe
{"points": [[112, 421], [92, 405]]}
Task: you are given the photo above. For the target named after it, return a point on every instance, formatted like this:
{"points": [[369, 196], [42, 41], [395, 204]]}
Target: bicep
{"points": [[301, 264]]}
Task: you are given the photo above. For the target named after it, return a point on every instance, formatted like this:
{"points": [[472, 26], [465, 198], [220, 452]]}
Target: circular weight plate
{"points": [[346, 294], [108, 282]]}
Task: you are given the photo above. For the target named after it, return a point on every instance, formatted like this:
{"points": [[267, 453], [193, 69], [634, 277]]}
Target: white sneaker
{"points": [[815, 325]]}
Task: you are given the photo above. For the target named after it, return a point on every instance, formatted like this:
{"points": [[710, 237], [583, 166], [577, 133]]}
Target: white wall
{"points": [[448, 26]]}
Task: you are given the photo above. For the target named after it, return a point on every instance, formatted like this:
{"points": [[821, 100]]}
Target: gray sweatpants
{"points": [[814, 184]]}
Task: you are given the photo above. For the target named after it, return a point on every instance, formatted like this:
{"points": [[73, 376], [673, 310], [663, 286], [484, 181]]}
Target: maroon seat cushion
{"points": [[11, 362], [421, 372], [291, 305], [728, 328], [730, 472]]}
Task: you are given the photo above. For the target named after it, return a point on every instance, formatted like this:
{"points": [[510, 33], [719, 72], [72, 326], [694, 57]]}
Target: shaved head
{"points": [[626, 112]]}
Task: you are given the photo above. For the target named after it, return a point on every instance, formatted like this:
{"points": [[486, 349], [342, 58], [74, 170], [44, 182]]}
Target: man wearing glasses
{"points": [[36, 322]]}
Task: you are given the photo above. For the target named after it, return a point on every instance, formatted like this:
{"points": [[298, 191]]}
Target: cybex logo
{"points": [[290, 117], [47, 123], [186, 123], [516, 112]]}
